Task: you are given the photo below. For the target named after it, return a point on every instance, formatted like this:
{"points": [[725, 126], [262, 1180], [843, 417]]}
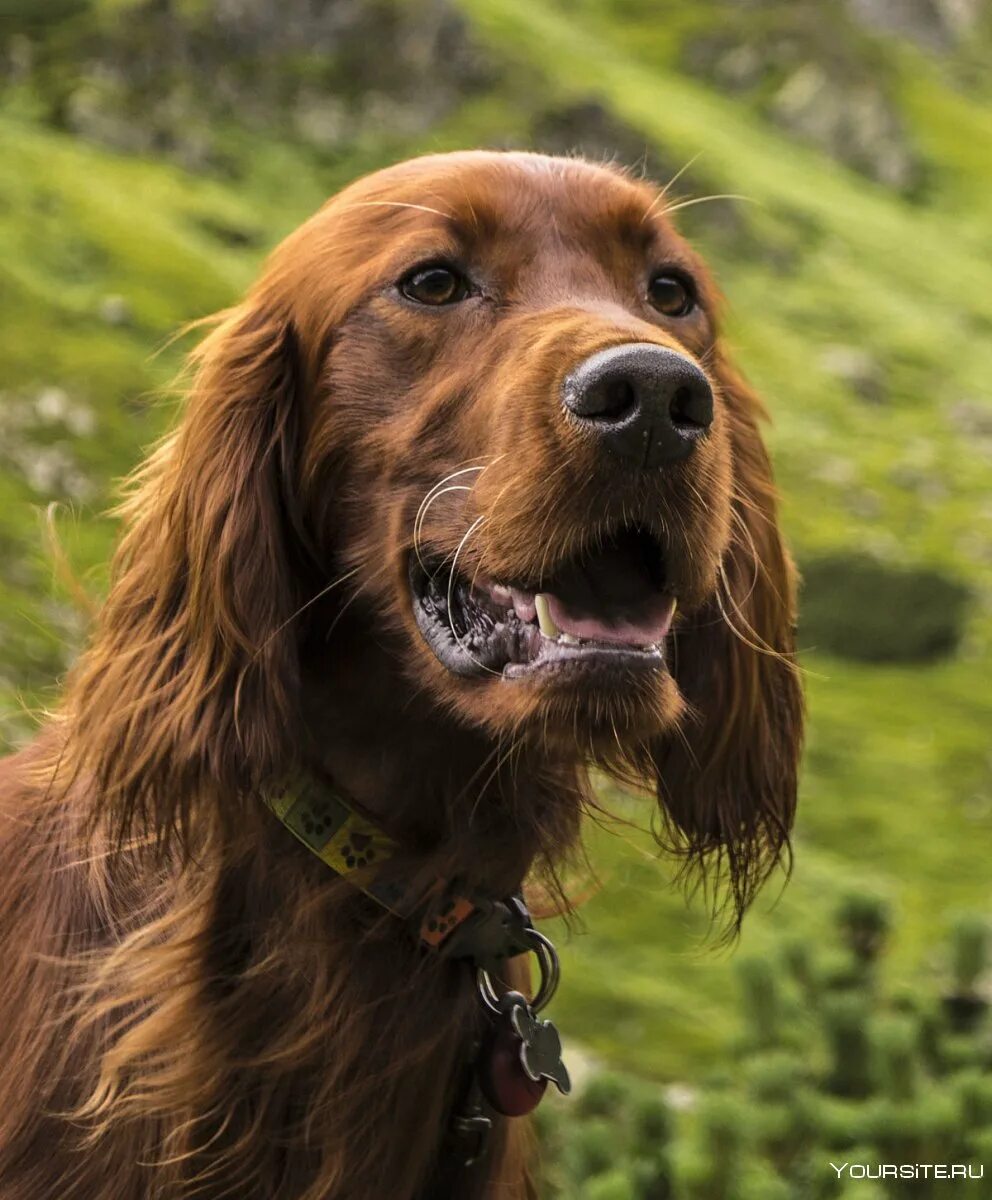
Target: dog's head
{"points": [[487, 394]]}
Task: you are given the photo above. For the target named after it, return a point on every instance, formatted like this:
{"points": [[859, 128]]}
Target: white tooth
{"points": [[651, 647], [544, 618], [568, 639]]}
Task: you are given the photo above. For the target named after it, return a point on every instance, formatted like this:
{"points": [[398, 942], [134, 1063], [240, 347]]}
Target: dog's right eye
{"points": [[434, 285]]}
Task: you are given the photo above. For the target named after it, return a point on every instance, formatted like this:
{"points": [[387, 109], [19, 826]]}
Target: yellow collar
{"points": [[446, 918]]}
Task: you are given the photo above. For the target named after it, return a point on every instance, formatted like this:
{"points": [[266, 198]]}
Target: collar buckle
{"points": [[497, 930]]}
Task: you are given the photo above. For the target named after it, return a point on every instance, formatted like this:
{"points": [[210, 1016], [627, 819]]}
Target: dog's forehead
{"points": [[483, 196], [524, 194]]}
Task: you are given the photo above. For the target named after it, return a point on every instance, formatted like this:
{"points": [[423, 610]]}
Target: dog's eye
{"points": [[434, 285], [671, 294]]}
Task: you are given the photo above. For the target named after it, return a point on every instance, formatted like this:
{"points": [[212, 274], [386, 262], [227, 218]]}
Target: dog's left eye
{"points": [[434, 285], [671, 294]]}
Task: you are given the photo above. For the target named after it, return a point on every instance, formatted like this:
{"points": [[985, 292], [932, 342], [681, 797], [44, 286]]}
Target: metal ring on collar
{"points": [[547, 958]]}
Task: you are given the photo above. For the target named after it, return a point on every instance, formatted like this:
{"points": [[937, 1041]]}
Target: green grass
{"points": [[897, 791]]}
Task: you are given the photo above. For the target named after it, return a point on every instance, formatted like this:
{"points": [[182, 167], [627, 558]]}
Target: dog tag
{"points": [[540, 1046], [522, 1057]]}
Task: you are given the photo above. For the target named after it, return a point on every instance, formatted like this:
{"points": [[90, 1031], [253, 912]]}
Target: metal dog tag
{"points": [[521, 1057], [521, 1054], [540, 1043]]}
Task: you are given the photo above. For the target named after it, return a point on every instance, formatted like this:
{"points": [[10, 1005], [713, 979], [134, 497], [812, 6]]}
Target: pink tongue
{"points": [[649, 624]]}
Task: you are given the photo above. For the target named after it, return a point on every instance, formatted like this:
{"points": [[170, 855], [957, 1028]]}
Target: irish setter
{"points": [[441, 480]]}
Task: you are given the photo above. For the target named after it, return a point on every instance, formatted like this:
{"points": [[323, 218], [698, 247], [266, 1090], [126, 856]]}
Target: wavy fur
{"points": [[194, 1006]]}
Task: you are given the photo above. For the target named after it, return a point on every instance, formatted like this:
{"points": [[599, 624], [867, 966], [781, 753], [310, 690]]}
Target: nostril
{"points": [[607, 398], [691, 408], [680, 407], [618, 399]]}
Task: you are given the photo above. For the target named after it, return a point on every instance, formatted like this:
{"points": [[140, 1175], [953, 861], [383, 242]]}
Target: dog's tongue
{"points": [[644, 626], [610, 598]]}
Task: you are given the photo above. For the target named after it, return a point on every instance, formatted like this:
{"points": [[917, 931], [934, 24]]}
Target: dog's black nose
{"points": [[643, 402]]}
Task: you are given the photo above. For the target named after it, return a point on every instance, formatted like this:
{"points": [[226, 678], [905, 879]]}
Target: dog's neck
{"points": [[485, 809]]}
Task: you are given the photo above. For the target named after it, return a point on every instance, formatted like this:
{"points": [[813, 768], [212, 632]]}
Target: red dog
{"points": [[418, 542]]}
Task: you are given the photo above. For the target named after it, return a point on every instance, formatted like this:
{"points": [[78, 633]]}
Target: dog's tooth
{"points": [[568, 639], [545, 620]]}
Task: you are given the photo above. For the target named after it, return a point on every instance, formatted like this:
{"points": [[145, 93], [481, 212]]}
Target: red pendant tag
{"points": [[504, 1082], [521, 1056]]}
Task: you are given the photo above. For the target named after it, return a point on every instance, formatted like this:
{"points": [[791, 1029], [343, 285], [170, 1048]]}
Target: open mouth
{"points": [[607, 607]]}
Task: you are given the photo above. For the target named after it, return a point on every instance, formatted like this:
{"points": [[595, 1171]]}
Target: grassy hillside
{"points": [[860, 309]]}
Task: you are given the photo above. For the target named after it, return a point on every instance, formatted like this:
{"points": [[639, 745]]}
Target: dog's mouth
{"points": [[607, 607]]}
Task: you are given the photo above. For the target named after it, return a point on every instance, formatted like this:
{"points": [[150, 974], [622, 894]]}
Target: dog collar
{"points": [[447, 919]]}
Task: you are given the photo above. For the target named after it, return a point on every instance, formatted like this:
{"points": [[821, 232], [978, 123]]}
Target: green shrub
{"points": [[864, 920], [760, 1182], [650, 1119], [969, 951], [857, 1076], [653, 1178], [974, 1096], [761, 1000], [858, 608], [845, 1025], [862, 1189], [604, 1095], [979, 1145], [776, 1075], [839, 971], [912, 1131], [964, 1005], [713, 1170], [797, 956], [895, 1057], [595, 1151]]}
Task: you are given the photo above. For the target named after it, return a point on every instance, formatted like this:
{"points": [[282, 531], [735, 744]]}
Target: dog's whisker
{"points": [[398, 204], [670, 184], [501, 758], [303, 608], [418, 528], [755, 560], [451, 592], [763, 647], [351, 600], [435, 491], [674, 208]]}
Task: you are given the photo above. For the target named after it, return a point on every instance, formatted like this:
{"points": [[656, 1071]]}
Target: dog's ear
{"points": [[727, 777], [188, 687]]}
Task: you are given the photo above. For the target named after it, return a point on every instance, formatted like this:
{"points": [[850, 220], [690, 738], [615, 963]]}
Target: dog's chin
{"points": [[586, 710], [585, 649]]}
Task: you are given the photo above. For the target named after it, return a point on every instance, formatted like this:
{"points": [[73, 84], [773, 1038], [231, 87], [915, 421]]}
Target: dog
{"points": [[466, 498]]}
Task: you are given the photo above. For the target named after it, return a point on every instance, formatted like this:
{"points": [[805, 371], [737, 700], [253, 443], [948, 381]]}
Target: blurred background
{"points": [[152, 151]]}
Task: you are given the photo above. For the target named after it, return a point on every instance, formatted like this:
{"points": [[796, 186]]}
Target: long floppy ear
{"points": [[188, 686], [727, 780]]}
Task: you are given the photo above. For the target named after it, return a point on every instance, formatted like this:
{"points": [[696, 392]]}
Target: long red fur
{"points": [[192, 1005]]}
